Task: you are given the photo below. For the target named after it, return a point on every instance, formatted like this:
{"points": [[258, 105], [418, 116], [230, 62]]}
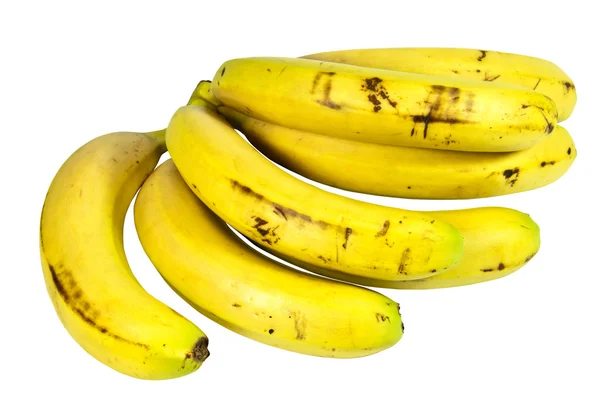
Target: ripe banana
{"points": [[209, 266], [498, 241], [408, 172], [265, 203], [483, 65], [94, 292], [386, 107]]}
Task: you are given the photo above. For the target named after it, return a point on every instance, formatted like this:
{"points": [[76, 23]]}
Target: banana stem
{"points": [[199, 98], [202, 96], [196, 101], [159, 136], [196, 93]]}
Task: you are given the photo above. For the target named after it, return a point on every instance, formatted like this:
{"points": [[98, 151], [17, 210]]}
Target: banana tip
{"points": [[400, 314], [200, 351]]}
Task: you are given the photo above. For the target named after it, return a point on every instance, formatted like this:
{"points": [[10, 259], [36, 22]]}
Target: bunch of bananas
{"points": [[413, 123]]}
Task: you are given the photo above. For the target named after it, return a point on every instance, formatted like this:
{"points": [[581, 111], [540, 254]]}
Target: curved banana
{"points": [[483, 65], [94, 292], [498, 241], [209, 266], [267, 204], [408, 172], [386, 107]]}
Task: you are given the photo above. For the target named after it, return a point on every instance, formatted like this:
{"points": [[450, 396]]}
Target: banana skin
{"points": [[90, 283], [535, 73], [408, 172], [385, 107], [498, 241], [219, 275], [260, 200]]}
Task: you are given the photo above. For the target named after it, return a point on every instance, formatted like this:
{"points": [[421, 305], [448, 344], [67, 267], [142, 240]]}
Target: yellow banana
{"points": [[210, 267], [94, 292], [386, 107], [408, 172], [483, 65], [265, 203], [498, 241]]}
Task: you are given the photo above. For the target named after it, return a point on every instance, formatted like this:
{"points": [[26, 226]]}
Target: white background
{"points": [[70, 72]]}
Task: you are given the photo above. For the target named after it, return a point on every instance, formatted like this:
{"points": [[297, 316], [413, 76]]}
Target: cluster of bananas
{"points": [[418, 123]]}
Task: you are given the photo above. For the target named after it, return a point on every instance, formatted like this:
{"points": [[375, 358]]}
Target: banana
{"points": [[385, 107], [265, 203], [408, 172], [498, 241], [92, 288], [209, 266], [483, 65]]}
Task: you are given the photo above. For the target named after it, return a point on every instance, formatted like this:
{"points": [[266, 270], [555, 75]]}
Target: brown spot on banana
{"points": [[285, 212], [299, 325], [279, 211], [384, 229], [375, 101], [511, 176], [470, 102], [376, 91], [68, 289], [260, 222], [442, 108], [500, 267], [382, 318], [549, 125], [490, 78], [326, 100], [346, 237], [384, 95], [246, 190], [282, 71], [568, 86], [317, 79], [371, 84], [404, 261]]}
